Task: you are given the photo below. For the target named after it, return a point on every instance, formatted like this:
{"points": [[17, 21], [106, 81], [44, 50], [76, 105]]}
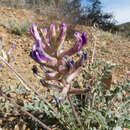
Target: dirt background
{"points": [[109, 47]]}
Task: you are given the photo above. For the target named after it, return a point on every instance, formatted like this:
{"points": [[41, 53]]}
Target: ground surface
{"points": [[109, 47]]}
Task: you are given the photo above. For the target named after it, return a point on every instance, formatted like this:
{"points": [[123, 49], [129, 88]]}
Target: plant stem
{"points": [[93, 51], [74, 112], [93, 99]]}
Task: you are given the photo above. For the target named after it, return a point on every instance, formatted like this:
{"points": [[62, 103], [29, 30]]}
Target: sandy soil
{"points": [[108, 47]]}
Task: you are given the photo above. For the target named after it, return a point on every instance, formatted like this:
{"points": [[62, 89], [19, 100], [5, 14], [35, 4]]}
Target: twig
{"points": [[93, 51], [26, 84], [93, 99], [94, 29], [74, 111], [26, 112]]}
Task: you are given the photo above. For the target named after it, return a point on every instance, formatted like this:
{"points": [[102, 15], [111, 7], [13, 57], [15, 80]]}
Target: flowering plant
{"points": [[101, 108], [58, 65], [7, 55]]}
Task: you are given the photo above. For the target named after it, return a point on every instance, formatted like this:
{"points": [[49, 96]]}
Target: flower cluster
{"points": [[57, 64], [7, 55]]}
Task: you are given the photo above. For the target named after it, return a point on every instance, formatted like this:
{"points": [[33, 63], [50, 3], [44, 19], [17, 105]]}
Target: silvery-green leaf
{"points": [[117, 128], [4, 54]]}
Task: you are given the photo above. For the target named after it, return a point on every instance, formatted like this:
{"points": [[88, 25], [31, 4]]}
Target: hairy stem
{"points": [[93, 99], [74, 111]]}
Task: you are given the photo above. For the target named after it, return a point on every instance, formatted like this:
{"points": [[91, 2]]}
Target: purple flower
{"points": [[45, 35], [82, 40], [59, 99], [59, 66], [45, 49], [60, 39], [62, 35], [0, 65], [40, 55], [11, 49], [53, 30], [35, 32]]}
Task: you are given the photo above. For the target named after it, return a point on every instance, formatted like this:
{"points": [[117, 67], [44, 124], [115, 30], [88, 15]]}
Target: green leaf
{"points": [[47, 95], [46, 108], [117, 128], [41, 116], [26, 106], [87, 121], [42, 104], [40, 91], [3, 105], [101, 120], [0, 100], [94, 128], [127, 117], [36, 104], [9, 107], [110, 113]]}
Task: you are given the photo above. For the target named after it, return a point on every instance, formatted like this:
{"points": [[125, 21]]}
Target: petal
{"points": [[40, 55], [53, 30], [76, 68], [45, 35], [52, 76], [82, 40], [4, 54], [71, 63], [61, 38], [42, 52], [47, 40], [44, 32], [34, 32], [11, 49], [0, 66], [78, 35], [62, 33], [38, 58], [80, 62], [66, 65], [59, 99]]}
